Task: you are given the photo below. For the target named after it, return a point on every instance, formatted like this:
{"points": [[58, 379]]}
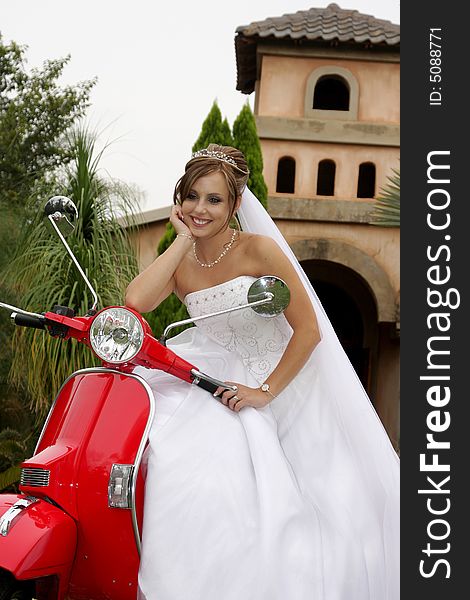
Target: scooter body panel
{"points": [[41, 540], [101, 417]]}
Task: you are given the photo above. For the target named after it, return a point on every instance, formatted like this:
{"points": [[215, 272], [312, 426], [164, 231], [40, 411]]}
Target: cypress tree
{"points": [[226, 138], [214, 130], [245, 138]]}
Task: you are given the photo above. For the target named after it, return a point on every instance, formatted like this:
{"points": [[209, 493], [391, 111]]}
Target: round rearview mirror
{"points": [[271, 287], [63, 212]]}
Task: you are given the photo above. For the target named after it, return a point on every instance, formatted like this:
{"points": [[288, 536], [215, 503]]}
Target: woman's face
{"points": [[207, 206]]}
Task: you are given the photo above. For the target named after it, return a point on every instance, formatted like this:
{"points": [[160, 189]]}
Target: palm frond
{"points": [[386, 212], [9, 477], [44, 275]]}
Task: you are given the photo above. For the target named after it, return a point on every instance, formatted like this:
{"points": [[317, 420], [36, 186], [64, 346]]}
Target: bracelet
{"points": [[266, 388], [190, 237]]}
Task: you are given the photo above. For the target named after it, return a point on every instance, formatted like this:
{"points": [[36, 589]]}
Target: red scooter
{"points": [[74, 530]]}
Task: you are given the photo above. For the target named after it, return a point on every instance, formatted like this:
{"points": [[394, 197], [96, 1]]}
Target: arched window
{"points": [[285, 175], [366, 180], [326, 178], [331, 93]]}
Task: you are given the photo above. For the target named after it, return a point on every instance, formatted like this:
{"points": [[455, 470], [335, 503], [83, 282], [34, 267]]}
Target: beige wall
{"points": [[147, 239], [281, 91], [383, 244], [347, 157]]}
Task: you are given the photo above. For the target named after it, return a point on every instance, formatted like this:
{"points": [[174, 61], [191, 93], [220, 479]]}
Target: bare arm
{"points": [[301, 316], [157, 281]]}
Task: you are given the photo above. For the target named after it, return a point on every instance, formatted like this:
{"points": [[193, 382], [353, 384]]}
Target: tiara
{"points": [[204, 153]]}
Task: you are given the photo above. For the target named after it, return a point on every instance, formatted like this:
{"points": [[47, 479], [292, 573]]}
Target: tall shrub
{"points": [[44, 274], [245, 138], [214, 130]]}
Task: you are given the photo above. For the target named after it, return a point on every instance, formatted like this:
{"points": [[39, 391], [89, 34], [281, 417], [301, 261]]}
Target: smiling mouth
{"points": [[197, 221]]}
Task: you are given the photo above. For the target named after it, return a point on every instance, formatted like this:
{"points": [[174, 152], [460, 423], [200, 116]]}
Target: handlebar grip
{"points": [[207, 385], [29, 321]]}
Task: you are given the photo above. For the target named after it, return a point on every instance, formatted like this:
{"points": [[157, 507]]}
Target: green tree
{"points": [[245, 138], [11, 218], [44, 274], [35, 113], [214, 130], [226, 135], [386, 212]]}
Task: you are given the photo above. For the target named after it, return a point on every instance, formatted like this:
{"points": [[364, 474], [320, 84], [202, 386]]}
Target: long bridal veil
{"points": [[337, 446]]}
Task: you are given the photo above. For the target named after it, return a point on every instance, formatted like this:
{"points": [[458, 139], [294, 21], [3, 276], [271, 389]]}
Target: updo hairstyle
{"points": [[199, 166]]}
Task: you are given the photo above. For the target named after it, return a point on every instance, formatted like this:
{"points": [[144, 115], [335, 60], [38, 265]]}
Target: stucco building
{"points": [[326, 85]]}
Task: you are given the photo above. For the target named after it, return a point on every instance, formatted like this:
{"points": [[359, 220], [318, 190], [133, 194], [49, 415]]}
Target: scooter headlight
{"points": [[116, 335]]}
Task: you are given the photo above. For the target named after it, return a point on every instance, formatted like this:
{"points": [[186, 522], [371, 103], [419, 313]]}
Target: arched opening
{"points": [[326, 178], [339, 269], [351, 308], [366, 180], [347, 322], [285, 182], [331, 93]]}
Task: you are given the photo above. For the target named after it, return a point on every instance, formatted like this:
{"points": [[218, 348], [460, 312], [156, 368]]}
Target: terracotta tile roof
{"points": [[331, 25]]}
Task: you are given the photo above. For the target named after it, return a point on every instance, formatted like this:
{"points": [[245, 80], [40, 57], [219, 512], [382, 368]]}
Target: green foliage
{"points": [[171, 309], [9, 477], [226, 135], [44, 275], [214, 130], [35, 113], [13, 448], [11, 217], [167, 239], [245, 138], [17, 441], [386, 211]]}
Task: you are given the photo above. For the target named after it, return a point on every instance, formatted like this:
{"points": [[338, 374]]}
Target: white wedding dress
{"points": [[270, 504]]}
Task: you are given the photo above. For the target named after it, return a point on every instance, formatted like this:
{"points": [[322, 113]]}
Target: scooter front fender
{"points": [[40, 541]]}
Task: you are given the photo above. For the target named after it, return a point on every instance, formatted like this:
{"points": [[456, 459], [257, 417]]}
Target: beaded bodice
{"points": [[259, 341]]}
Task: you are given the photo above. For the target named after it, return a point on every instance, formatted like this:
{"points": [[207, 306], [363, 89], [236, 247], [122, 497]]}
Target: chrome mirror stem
{"points": [[75, 261], [267, 298], [15, 309]]}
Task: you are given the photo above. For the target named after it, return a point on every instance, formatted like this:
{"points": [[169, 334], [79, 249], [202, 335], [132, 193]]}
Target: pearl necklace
{"points": [[217, 260]]}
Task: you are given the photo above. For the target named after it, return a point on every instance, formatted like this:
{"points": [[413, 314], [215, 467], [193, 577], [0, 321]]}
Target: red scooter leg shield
{"points": [[88, 461]]}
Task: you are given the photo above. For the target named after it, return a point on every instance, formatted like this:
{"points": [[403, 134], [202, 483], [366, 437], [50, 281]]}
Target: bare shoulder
{"points": [[258, 244], [263, 254], [263, 247]]}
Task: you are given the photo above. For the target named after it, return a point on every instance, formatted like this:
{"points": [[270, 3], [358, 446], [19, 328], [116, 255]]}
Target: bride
{"points": [[286, 488]]}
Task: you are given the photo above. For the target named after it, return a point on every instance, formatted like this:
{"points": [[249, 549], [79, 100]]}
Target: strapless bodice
{"points": [[259, 341]]}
